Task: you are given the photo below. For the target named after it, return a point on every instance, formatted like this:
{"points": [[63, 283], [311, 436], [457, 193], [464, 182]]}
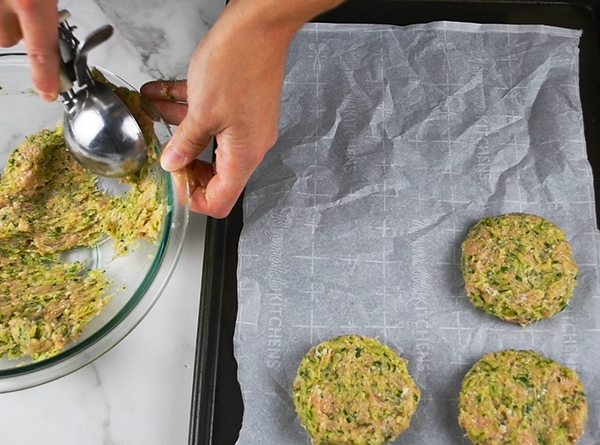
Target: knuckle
{"points": [[219, 209], [271, 139], [255, 157], [267, 140], [257, 154], [219, 203], [185, 138], [28, 6], [45, 83], [219, 213], [190, 141], [41, 58]]}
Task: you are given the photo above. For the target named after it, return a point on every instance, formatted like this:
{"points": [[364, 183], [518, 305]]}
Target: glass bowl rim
{"points": [[134, 310]]}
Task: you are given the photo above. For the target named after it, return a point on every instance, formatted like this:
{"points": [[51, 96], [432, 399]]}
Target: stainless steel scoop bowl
{"points": [[99, 129], [101, 133]]}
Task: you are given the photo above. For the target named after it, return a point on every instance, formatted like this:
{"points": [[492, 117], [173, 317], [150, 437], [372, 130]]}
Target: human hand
{"points": [[233, 92], [36, 22]]}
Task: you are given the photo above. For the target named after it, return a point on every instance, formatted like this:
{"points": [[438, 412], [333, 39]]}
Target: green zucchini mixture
{"points": [[520, 397], [354, 390], [518, 267], [49, 204]]}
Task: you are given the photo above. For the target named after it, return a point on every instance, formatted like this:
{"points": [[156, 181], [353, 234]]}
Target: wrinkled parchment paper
{"points": [[393, 143]]}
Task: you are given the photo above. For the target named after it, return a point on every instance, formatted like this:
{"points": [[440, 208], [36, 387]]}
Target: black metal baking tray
{"points": [[216, 413]]}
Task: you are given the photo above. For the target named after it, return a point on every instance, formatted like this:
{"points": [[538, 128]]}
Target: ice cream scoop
{"points": [[99, 129]]}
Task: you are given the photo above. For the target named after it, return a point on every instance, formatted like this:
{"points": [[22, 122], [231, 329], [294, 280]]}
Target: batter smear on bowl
{"points": [[518, 267], [354, 390]]}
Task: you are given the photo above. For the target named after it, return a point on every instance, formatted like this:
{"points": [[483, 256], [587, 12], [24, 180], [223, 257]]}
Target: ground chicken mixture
{"points": [[49, 204], [354, 390]]}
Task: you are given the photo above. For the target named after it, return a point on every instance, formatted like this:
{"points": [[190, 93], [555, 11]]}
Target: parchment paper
{"points": [[393, 143]]}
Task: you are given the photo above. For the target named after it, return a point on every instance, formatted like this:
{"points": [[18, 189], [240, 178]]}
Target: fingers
{"points": [[215, 188], [172, 90], [184, 181], [39, 25], [219, 196], [170, 97], [188, 141], [36, 22], [10, 31], [172, 112], [209, 193]]}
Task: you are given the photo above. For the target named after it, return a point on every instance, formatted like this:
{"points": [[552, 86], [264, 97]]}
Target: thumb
{"points": [[188, 141]]}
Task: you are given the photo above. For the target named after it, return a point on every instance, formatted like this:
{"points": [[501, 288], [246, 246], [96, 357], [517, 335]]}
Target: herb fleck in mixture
{"points": [[520, 397], [518, 267], [50, 204], [354, 390]]}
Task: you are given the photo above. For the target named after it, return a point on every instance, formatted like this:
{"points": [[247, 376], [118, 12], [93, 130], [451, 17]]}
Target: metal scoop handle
{"points": [[67, 44], [94, 39]]}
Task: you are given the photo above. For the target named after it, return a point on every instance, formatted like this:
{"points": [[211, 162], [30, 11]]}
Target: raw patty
{"points": [[522, 398], [518, 267], [354, 390]]}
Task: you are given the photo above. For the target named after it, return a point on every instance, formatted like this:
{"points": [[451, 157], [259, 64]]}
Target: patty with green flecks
{"points": [[354, 390], [518, 267], [522, 398]]}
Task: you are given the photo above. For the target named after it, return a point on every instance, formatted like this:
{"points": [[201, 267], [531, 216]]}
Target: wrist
{"points": [[283, 16]]}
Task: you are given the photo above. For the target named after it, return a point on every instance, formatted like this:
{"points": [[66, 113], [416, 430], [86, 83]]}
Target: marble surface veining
{"points": [[140, 391]]}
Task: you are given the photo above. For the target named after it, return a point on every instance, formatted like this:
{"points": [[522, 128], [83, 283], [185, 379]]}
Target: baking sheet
{"points": [[393, 143]]}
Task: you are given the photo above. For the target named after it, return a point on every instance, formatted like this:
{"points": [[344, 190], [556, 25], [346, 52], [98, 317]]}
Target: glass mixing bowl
{"points": [[138, 278]]}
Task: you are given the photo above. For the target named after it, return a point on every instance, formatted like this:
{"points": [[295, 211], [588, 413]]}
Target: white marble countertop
{"points": [[140, 391]]}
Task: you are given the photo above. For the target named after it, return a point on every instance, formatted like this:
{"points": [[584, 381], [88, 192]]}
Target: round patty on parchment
{"points": [[522, 398], [354, 390], [518, 267]]}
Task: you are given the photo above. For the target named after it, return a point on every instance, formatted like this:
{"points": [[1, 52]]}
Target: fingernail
{"points": [[172, 159]]}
